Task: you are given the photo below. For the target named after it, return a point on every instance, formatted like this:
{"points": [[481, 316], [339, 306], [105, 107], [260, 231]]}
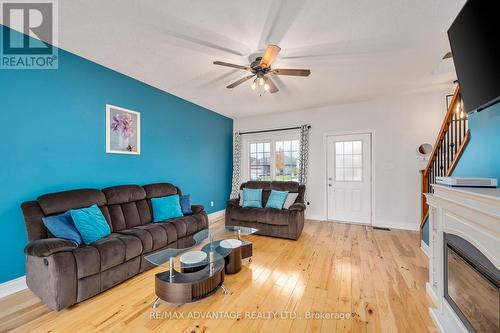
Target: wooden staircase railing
{"points": [[450, 144]]}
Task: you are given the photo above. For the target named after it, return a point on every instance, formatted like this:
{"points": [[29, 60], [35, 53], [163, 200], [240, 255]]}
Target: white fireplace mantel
{"points": [[471, 213]]}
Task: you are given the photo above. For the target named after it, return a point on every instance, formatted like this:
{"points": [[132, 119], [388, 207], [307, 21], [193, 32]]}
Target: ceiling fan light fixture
{"points": [[260, 68]]}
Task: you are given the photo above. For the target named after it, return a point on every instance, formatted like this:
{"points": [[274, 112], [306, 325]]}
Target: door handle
{"points": [[329, 185]]}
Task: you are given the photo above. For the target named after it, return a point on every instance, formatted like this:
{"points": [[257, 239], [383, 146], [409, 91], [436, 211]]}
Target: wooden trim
{"points": [[443, 130], [425, 209], [424, 189], [459, 153]]}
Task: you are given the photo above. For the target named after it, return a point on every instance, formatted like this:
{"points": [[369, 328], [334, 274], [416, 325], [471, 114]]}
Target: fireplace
{"points": [[471, 285], [464, 259]]}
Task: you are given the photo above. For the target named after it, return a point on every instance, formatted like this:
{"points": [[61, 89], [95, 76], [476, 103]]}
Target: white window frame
{"points": [[248, 139]]}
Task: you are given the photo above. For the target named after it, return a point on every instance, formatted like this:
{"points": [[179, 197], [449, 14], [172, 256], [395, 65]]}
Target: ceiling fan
{"points": [[261, 67]]}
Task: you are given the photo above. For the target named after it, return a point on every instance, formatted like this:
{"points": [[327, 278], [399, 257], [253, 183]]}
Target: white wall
{"points": [[400, 125]]}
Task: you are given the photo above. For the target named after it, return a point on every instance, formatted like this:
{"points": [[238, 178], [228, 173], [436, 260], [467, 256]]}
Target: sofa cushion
{"points": [[277, 199], [244, 214], [133, 245], [123, 194], [90, 223], [187, 225], [290, 200], [130, 214], [88, 261], [165, 208], [56, 203], [273, 216], [111, 252], [186, 204], [160, 190], [261, 215], [106, 253], [252, 197], [128, 207], [285, 186], [153, 236], [143, 235], [62, 226], [158, 234]]}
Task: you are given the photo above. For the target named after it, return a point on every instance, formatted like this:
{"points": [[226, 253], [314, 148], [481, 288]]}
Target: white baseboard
{"points": [[13, 286], [212, 217], [382, 224], [431, 293], [395, 225], [425, 248], [315, 217]]}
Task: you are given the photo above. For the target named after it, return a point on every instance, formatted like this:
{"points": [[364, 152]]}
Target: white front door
{"points": [[349, 178]]}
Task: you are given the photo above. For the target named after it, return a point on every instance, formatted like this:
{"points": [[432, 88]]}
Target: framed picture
{"points": [[123, 131]]}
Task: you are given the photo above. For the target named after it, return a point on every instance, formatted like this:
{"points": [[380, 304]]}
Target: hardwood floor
{"points": [[375, 277]]}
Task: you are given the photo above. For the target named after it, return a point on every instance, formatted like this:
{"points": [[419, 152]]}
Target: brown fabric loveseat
{"points": [[62, 274], [286, 223]]}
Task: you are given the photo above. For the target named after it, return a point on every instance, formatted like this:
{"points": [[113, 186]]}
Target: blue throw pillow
{"points": [[276, 199], [62, 226], [186, 204], [165, 208], [90, 223], [252, 197]]}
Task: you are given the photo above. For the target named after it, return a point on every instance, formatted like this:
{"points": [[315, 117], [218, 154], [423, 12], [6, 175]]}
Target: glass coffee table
{"points": [[197, 270]]}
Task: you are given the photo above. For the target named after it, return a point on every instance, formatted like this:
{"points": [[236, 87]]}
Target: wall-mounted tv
{"points": [[475, 44]]}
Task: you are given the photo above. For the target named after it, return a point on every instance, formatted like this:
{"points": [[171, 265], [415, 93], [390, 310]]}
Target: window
{"points": [[348, 161], [286, 158], [274, 159], [260, 158]]}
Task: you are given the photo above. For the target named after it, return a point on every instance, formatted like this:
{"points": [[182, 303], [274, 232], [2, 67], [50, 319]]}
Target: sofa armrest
{"points": [[47, 246], [197, 209], [298, 206], [233, 203]]}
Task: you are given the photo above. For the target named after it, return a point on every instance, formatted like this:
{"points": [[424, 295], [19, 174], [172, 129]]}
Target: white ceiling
{"points": [[356, 50]]}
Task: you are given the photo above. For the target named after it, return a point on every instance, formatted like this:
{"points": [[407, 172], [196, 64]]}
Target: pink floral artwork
{"points": [[123, 131]]}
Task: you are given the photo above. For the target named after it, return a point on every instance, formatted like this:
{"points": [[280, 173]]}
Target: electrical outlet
{"points": [[211, 203]]}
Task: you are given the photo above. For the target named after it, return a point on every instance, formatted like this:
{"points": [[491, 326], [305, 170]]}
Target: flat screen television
{"points": [[475, 45]]}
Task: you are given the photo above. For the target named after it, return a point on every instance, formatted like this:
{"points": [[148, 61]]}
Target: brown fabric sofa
{"points": [[62, 274], [286, 223]]}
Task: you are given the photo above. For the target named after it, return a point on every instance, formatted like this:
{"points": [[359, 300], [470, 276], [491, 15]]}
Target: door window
{"points": [[349, 161]]}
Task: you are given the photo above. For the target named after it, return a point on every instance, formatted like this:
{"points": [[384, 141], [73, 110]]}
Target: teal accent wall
{"points": [[481, 157], [53, 139]]}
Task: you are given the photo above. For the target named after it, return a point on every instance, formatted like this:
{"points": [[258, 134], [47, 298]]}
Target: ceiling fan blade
{"points": [[227, 64], [447, 55], [270, 55], [240, 81], [293, 72], [272, 87]]}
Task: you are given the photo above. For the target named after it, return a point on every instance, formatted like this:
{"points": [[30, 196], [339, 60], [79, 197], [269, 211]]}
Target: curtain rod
{"points": [[274, 130]]}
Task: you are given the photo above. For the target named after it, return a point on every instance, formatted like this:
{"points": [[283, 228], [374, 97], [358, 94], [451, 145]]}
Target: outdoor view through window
{"points": [[274, 160]]}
